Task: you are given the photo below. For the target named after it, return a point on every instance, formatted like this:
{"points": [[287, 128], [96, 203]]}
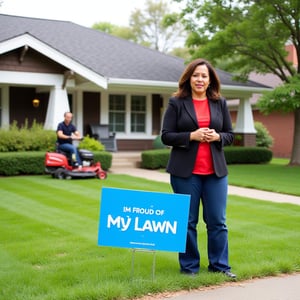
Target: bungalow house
{"points": [[48, 67]]}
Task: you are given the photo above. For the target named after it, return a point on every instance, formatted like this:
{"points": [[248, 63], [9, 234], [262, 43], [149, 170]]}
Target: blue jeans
{"points": [[212, 191], [70, 148]]}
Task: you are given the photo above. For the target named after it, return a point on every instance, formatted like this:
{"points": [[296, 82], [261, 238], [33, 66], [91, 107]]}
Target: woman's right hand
{"points": [[199, 134]]}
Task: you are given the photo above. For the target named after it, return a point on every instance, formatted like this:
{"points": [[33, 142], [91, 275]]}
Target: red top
{"points": [[203, 164]]}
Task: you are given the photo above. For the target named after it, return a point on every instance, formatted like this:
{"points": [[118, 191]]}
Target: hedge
{"points": [[32, 162], [155, 159], [247, 155]]}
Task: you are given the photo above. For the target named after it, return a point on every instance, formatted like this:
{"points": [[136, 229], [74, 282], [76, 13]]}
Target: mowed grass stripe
{"points": [[80, 197], [44, 261], [265, 230], [57, 217], [273, 177]]}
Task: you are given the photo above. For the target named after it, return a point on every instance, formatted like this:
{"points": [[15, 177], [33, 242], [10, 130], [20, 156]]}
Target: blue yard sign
{"points": [[143, 220]]}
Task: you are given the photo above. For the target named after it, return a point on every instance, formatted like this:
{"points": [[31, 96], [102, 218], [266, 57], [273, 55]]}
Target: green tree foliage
{"points": [[119, 31], [286, 97], [250, 36], [152, 28]]}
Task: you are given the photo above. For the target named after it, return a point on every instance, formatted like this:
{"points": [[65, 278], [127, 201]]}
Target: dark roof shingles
{"points": [[107, 55]]}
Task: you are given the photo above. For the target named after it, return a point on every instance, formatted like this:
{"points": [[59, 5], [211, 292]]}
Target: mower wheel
{"points": [[68, 176], [102, 175], [60, 173]]}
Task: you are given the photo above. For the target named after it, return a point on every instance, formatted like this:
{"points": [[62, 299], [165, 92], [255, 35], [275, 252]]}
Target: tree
{"points": [[286, 98], [151, 28], [119, 31], [250, 36]]}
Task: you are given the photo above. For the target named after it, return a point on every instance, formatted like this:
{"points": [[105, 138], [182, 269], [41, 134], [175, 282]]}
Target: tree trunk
{"points": [[295, 158]]}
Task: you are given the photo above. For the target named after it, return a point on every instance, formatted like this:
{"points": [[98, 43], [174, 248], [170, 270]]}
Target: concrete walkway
{"points": [[232, 190], [283, 287]]}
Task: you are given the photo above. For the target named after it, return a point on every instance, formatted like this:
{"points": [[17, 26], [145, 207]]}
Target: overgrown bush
{"points": [[263, 137], [35, 138], [91, 144]]}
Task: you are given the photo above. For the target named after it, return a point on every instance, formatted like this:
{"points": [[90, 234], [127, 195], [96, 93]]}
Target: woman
{"points": [[197, 125]]}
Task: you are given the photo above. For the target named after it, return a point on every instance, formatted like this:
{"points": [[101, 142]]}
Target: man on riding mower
{"points": [[66, 133]]}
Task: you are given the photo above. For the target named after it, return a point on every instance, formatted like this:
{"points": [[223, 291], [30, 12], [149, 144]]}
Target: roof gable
{"points": [[94, 54], [57, 56]]}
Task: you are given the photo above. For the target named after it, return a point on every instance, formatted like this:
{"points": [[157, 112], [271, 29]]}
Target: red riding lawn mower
{"points": [[60, 166]]}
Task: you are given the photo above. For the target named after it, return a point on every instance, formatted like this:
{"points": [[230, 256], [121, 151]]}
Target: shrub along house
{"points": [[48, 67]]}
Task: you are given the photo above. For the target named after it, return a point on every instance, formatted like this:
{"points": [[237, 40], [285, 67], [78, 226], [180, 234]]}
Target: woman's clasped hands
{"points": [[204, 134]]}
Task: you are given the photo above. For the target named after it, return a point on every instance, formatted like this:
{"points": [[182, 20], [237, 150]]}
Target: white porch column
{"points": [[164, 107], [104, 108], [245, 133], [57, 106], [4, 107], [149, 115], [244, 121], [78, 106]]}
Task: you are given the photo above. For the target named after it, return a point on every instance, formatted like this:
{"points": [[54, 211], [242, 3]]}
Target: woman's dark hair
{"points": [[184, 87]]}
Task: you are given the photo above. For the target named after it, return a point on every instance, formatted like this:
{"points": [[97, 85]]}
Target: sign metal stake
{"points": [[134, 250]]}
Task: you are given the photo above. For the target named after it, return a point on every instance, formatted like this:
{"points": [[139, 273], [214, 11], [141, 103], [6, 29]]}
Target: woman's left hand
{"points": [[211, 136]]}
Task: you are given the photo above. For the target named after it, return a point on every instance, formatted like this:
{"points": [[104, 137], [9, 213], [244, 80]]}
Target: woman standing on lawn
{"points": [[197, 125]]}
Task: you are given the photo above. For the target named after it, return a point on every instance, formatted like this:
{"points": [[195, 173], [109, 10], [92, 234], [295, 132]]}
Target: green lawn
{"points": [[48, 243], [276, 177]]}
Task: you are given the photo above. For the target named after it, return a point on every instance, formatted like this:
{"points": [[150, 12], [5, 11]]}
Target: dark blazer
{"points": [[180, 120]]}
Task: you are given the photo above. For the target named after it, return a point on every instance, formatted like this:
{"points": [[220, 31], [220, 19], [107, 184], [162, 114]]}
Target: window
{"points": [[117, 112], [138, 114], [124, 109]]}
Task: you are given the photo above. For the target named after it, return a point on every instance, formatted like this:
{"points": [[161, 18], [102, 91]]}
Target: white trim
{"points": [[245, 88], [137, 82], [134, 136], [27, 39], [29, 78]]}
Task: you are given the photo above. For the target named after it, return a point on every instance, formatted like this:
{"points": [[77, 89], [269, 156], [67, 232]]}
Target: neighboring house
{"points": [[48, 67], [280, 125]]}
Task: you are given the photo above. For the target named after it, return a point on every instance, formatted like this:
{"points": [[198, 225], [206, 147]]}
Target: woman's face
{"points": [[199, 82]]}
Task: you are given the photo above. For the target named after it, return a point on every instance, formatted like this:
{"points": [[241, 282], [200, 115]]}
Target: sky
{"points": [[82, 12], [86, 12]]}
